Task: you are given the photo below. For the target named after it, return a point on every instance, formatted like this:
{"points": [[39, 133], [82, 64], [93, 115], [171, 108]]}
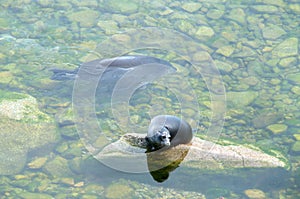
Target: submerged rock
{"points": [[272, 32], [241, 99], [23, 128], [287, 48], [200, 154], [277, 128], [255, 194]]}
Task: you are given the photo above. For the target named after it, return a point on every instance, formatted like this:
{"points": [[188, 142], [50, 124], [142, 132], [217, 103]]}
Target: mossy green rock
{"points": [[287, 48], [23, 128], [277, 128], [241, 99]]}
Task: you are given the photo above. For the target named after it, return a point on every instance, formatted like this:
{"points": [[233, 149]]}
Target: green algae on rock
{"points": [[23, 128], [277, 128]]}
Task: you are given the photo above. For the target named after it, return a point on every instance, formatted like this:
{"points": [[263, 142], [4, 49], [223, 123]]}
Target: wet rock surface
{"points": [[23, 128], [201, 154]]}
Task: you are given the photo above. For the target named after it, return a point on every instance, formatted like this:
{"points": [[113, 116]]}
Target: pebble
{"points": [[204, 31], [272, 32], [37, 163], [287, 48], [226, 50], [296, 147], [285, 62], [294, 77], [277, 128], [191, 7], [86, 18], [265, 8], [255, 194]]}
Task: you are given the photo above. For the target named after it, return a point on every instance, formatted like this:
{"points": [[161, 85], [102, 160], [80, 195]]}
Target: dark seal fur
{"points": [[166, 131]]}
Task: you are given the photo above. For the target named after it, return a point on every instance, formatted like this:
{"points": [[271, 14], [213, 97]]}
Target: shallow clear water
{"points": [[237, 78]]}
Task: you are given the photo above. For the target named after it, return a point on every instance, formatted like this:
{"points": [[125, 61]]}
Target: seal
{"points": [[166, 131], [114, 67]]}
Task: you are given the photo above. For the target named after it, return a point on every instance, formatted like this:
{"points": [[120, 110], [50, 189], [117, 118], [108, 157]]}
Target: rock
{"points": [[23, 128], [144, 190], [94, 188], [28, 195], [215, 14], [115, 191], [277, 128], [223, 66], [241, 99], [297, 137], [45, 3], [272, 32], [191, 6], [110, 27], [122, 6], [58, 167], [67, 181], [295, 8], [237, 15], [279, 3], [6, 77], [37, 163], [255, 194], [296, 90], [296, 147], [204, 31], [294, 77], [285, 62], [245, 52], [287, 48], [85, 18], [266, 118], [265, 8], [200, 154], [225, 50]]}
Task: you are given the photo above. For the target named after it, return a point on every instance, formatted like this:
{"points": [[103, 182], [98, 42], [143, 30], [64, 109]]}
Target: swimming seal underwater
{"points": [[114, 67], [166, 131]]}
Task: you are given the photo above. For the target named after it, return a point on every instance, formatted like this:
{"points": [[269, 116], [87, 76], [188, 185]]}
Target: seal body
{"points": [[112, 67], [167, 130]]}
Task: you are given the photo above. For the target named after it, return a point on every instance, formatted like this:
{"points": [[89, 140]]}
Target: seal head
{"points": [[159, 139], [167, 130]]}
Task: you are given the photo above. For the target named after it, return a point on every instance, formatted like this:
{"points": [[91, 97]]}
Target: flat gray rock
{"points": [[200, 154]]}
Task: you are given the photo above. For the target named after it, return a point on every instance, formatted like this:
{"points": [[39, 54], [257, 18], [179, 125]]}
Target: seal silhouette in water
{"points": [[167, 130], [113, 68]]}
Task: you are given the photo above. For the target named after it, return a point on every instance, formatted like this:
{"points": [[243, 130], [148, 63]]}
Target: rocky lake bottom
{"points": [[237, 82]]}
